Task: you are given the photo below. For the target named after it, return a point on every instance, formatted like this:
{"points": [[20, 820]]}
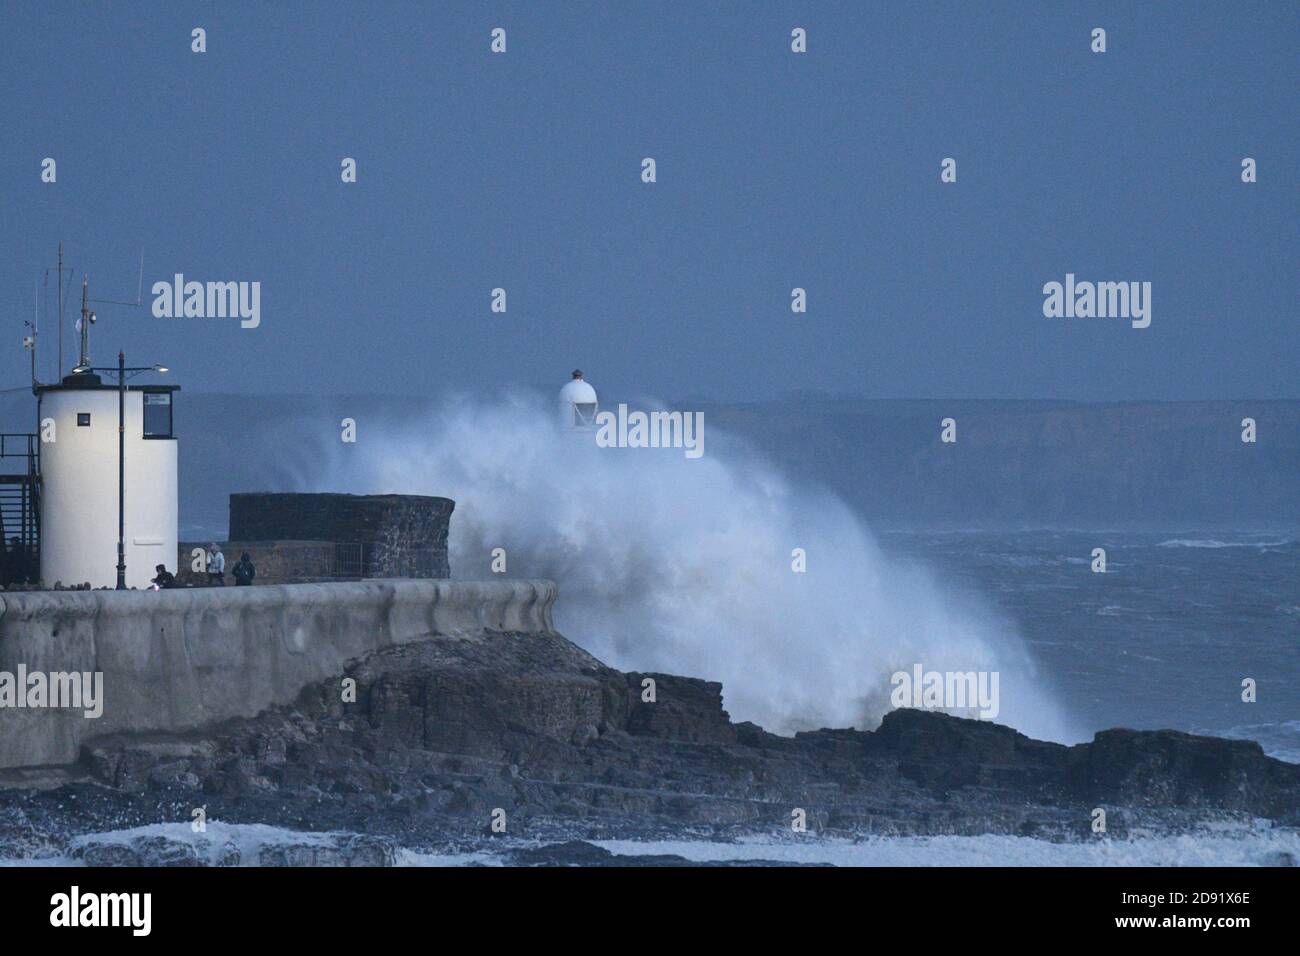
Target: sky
{"points": [[775, 170]]}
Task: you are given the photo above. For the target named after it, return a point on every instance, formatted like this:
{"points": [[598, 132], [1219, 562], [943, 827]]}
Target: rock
{"points": [[581, 853], [569, 853], [1171, 769], [943, 753], [174, 774], [108, 854], [227, 855], [348, 851], [299, 854], [685, 709], [160, 851], [368, 851], [445, 731]]}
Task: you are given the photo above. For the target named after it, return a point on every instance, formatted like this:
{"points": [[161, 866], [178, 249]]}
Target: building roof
{"points": [[90, 382]]}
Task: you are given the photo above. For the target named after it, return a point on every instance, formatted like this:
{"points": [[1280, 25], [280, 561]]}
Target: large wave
{"points": [[685, 566]]}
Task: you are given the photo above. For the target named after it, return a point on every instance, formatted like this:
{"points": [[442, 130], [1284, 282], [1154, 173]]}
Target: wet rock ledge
{"points": [[444, 733]]}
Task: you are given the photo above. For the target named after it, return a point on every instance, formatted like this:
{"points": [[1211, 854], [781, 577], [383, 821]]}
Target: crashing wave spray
{"points": [[684, 566]]}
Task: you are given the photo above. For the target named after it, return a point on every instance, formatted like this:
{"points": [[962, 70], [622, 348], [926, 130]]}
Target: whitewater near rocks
{"points": [[685, 566]]}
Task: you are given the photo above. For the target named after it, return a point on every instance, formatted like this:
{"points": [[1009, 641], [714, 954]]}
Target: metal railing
{"points": [[359, 560], [21, 445], [350, 560], [20, 510]]}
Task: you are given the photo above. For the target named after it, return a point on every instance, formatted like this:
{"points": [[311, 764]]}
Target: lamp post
{"points": [[123, 373]]}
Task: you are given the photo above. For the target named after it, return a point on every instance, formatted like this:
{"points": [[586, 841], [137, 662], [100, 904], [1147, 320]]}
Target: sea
{"points": [[1162, 639]]}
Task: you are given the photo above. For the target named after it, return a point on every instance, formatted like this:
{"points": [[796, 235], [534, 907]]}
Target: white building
{"points": [[578, 405], [79, 481]]}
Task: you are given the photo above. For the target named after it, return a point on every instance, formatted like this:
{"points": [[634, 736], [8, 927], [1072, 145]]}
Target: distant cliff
{"points": [[1038, 464]]}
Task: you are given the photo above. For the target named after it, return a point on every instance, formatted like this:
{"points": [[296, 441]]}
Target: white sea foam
{"points": [[210, 845], [1227, 845], [684, 566], [1248, 848]]}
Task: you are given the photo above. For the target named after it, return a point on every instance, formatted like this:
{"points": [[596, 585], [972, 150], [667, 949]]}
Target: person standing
{"points": [[216, 567], [243, 571]]}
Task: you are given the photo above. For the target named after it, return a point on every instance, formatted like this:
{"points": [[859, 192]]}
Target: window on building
{"points": [[83, 418], [157, 414]]}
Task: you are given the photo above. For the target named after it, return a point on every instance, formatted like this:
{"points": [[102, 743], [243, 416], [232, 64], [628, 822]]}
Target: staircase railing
{"points": [[20, 511]]}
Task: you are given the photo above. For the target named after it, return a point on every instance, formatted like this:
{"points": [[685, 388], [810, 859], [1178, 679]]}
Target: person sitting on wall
{"points": [[216, 566], [165, 578], [244, 571]]}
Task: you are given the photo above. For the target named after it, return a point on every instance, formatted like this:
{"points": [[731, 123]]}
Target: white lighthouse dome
{"points": [[578, 402], [578, 392]]}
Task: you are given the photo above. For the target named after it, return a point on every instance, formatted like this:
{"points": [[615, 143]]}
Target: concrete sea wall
{"points": [[182, 659]]}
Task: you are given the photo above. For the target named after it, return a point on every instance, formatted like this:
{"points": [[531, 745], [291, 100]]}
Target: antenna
{"points": [[87, 319], [29, 341], [139, 289], [60, 369], [45, 304], [88, 316]]}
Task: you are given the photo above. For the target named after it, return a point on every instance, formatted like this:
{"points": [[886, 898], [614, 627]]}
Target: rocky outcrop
{"points": [[1167, 768], [444, 738]]}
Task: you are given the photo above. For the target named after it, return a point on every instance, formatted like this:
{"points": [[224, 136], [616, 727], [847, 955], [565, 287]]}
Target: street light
{"points": [[122, 373]]}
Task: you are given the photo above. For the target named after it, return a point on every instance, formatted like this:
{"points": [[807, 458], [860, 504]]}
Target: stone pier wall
{"points": [[188, 658]]}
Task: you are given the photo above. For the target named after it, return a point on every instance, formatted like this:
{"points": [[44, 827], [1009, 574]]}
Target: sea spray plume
{"points": [[684, 566]]}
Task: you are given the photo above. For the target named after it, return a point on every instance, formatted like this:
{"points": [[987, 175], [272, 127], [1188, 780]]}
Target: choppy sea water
{"points": [[1258, 844], [1162, 639]]}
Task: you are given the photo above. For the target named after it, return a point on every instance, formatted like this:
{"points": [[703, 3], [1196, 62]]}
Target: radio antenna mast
{"points": [[87, 318], [29, 341], [45, 302], [60, 369], [139, 289]]}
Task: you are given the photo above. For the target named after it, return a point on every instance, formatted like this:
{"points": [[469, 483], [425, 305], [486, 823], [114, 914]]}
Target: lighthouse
{"points": [[578, 403], [108, 462]]}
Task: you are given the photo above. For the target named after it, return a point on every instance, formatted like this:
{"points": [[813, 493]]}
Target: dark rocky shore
{"points": [[444, 733]]}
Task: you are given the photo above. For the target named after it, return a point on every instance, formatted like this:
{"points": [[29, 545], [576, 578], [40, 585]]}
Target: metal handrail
{"points": [[29, 439]]}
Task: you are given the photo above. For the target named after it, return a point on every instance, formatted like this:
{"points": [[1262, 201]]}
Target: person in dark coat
{"points": [[243, 571], [165, 578]]}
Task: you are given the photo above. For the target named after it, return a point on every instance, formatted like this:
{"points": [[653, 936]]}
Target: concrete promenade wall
{"points": [[182, 659]]}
